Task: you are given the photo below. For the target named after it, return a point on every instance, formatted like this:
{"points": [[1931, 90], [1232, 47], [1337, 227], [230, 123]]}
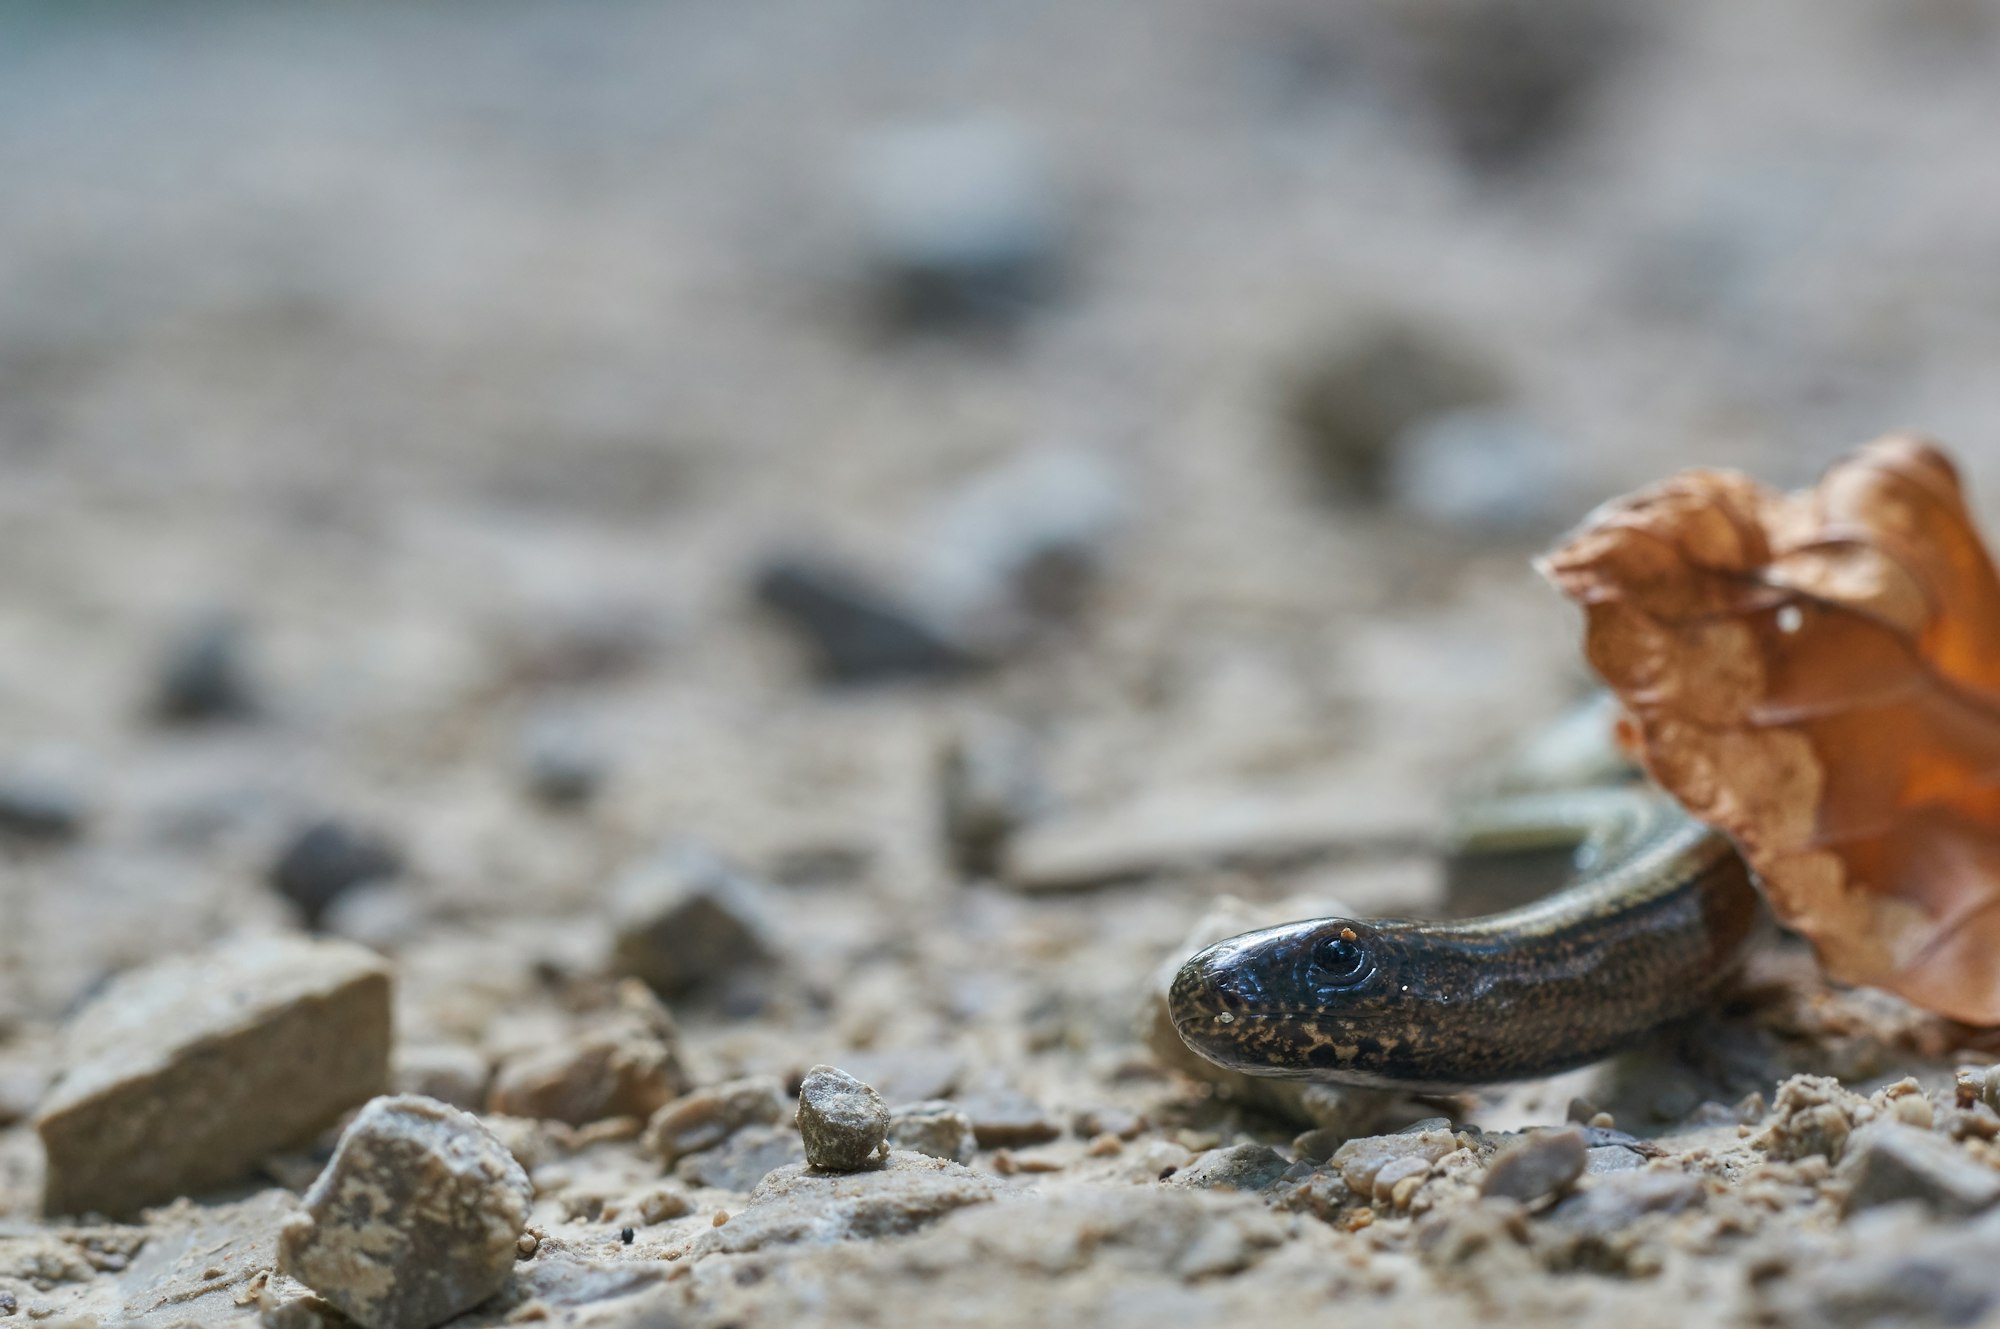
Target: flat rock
{"points": [[842, 1120], [182, 1075], [415, 1219]]}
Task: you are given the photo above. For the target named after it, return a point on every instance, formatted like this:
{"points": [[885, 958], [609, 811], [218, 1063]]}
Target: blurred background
{"points": [[848, 432]]}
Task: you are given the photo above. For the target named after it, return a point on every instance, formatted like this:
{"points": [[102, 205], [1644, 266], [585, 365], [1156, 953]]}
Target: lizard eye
{"points": [[1340, 960]]}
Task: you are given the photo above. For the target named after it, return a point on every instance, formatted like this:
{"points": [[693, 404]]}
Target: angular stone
{"points": [[1887, 1162], [624, 1063], [705, 1118], [842, 1120], [414, 1220], [182, 1075], [1545, 1163], [684, 917], [933, 1127]]}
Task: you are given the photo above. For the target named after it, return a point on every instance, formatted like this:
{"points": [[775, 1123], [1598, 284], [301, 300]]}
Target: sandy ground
{"points": [[474, 359]]}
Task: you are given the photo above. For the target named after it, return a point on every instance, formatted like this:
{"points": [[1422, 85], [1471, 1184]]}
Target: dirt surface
{"points": [[401, 412]]}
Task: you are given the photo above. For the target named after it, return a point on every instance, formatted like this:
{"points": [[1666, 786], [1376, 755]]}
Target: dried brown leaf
{"points": [[1818, 674]]}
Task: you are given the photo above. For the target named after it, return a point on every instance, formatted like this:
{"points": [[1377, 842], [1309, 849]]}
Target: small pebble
{"points": [[624, 1061], [419, 1215], [933, 1127], [989, 785], [1018, 550], [1317, 1145], [203, 674], [626, 1235], [705, 1118], [325, 860], [856, 632], [684, 918], [721, 1218], [1109, 1121], [1545, 1163], [1352, 399], [563, 767], [38, 805], [1004, 1118], [842, 1120], [959, 222]]}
